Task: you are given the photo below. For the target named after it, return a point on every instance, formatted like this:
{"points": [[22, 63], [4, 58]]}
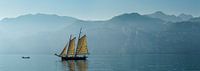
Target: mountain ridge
{"points": [[171, 18], [187, 16]]}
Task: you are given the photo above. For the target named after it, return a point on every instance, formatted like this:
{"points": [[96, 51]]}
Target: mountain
{"points": [[134, 17], [46, 21], [34, 23], [170, 18], [41, 19], [129, 33]]}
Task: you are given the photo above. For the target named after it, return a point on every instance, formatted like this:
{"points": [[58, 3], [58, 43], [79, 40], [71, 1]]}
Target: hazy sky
{"points": [[96, 9]]}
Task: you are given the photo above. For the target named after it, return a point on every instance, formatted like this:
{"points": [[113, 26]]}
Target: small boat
{"points": [[25, 57], [70, 53]]}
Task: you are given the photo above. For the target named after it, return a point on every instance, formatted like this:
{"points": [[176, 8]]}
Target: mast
{"points": [[79, 34], [78, 42]]}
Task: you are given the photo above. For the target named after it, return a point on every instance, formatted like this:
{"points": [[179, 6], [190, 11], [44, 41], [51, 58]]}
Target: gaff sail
{"points": [[71, 48], [82, 46]]}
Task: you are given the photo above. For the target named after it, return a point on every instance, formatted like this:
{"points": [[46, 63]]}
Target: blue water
{"points": [[142, 62]]}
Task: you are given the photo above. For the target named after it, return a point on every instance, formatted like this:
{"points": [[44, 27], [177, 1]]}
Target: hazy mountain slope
{"points": [[40, 22], [181, 37], [30, 33]]}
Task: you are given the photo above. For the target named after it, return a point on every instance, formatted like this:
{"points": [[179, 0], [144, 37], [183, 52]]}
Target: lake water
{"points": [[142, 62]]}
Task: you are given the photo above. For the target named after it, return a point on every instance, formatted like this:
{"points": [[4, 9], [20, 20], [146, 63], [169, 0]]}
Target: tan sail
{"points": [[82, 46], [63, 53], [71, 48]]}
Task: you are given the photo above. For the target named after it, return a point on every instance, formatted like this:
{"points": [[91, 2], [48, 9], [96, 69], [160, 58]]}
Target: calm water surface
{"points": [[143, 62]]}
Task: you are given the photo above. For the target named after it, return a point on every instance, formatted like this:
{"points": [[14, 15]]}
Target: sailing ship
{"points": [[70, 53]]}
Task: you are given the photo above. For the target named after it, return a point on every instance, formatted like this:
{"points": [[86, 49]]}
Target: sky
{"points": [[96, 9]]}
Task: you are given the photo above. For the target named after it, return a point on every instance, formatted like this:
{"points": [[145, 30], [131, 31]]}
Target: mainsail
{"points": [[71, 48], [82, 46]]}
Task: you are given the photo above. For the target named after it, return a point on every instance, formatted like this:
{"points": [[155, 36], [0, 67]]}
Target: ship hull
{"points": [[73, 58]]}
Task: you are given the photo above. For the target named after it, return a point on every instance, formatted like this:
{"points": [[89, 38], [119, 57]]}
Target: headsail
{"points": [[82, 46], [71, 48], [64, 53]]}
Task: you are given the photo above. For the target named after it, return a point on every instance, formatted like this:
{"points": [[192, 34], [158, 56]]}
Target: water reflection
{"points": [[72, 65]]}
